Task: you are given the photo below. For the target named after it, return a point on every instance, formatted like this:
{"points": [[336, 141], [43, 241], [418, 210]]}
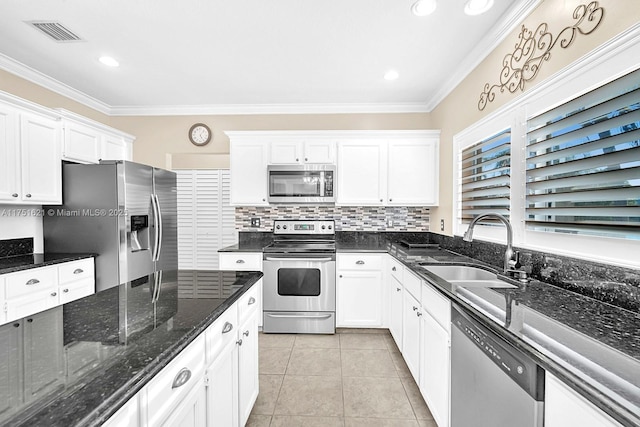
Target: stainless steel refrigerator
{"points": [[124, 212]]}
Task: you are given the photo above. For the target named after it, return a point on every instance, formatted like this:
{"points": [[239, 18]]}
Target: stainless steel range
{"points": [[300, 278]]}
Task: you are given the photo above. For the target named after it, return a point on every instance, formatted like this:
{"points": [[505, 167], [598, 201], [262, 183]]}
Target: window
{"points": [[583, 164], [485, 177]]}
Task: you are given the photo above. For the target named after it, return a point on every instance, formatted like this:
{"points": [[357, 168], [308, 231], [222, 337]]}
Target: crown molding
{"points": [[34, 76], [509, 21]]}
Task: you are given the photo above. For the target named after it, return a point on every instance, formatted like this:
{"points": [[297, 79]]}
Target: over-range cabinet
{"points": [[124, 212]]}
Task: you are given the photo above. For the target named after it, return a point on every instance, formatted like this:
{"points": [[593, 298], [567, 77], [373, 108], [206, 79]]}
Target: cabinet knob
{"points": [[390, 200], [16, 325], [264, 200], [53, 294], [419, 314], [297, 159], [393, 269], [182, 378], [227, 327], [30, 320], [14, 195], [239, 342], [381, 200], [415, 308], [252, 300], [398, 289], [246, 333], [28, 195], [306, 159], [340, 276], [65, 291]]}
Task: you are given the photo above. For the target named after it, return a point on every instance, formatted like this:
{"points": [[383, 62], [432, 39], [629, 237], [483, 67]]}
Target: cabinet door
{"points": [[9, 156], [413, 173], [222, 389], [75, 290], [81, 143], [247, 367], [411, 334], [192, 410], [113, 148], [248, 167], [43, 353], [10, 367], [323, 152], [361, 173], [564, 407], [40, 160], [395, 320], [286, 153], [359, 299], [435, 369], [127, 416]]}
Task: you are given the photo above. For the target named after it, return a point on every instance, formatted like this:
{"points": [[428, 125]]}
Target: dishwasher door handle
{"points": [[296, 316]]}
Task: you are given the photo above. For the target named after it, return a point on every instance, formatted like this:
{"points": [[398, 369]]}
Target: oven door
{"points": [[299, 282]]}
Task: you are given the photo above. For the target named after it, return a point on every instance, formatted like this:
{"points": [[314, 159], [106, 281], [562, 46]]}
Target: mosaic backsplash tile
{"points": [[347, 218]]}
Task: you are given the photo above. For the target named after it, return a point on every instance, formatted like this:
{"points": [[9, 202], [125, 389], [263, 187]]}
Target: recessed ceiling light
{"points": [[109, 61], [391, 75], [424, 7], [476, 7]]}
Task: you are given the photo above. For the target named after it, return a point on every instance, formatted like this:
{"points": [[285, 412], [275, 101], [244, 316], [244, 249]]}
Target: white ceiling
{"points": [[217, 56]]}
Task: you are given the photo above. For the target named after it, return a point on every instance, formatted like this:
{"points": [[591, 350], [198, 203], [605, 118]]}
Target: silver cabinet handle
{"points": [[246, 333], [360, 262], [53, 294], [66, 291], [14, 195], [239, 342], [28, 195], [419, 314], [398, 289], [240, 261], [182, 378], [78, 271], [393, 269], [227, 327], [415, 308], [32, 282], [252, 300]]}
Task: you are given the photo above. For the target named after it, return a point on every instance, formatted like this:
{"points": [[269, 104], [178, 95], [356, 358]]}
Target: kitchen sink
{"points": [[463, 275]]}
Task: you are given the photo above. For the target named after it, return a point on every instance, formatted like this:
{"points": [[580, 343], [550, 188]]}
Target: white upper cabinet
{"points": [[296, 152], [30, 168], [361, 179], [88, 141], [413, 172], [248, 167]]}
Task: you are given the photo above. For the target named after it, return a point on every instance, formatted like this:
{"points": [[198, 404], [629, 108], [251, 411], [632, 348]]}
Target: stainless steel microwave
{"points": [[296, 184]]}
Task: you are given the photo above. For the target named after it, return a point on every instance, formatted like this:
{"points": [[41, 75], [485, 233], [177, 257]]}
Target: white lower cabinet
{"points": [[565, 407], [411, 333], [248, 367], [359, 291], [222, 390], [395, 309], [192, 411], [127, 416], [435, 369], [244, 261]]}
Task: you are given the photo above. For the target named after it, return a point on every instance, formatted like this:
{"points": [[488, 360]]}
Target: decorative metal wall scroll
{"points": [[534, 47]]}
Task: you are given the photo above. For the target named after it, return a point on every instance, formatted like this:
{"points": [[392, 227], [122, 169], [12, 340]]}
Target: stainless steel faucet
{"points": [[511, 258]]}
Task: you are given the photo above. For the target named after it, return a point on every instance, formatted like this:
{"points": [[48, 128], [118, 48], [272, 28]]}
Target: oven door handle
{"points": [[297, 316], [299, 259]]}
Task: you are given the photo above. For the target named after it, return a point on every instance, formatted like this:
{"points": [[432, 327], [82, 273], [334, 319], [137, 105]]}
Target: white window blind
{"points": [[583, 163], [206, 222], [485, 177]]}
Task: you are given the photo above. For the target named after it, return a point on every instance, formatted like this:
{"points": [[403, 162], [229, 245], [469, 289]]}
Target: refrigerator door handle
{"points": [[156, 224], [159, 228]]}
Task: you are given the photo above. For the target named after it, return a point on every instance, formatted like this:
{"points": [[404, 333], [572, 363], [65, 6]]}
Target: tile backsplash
{"points": [[347, 218]]}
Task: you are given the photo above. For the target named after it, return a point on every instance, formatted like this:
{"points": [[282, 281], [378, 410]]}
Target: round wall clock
{"points": [[200, 134]]}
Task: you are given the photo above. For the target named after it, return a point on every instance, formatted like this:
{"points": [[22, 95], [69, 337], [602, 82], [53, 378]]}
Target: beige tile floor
{"points": [[351, 379]]}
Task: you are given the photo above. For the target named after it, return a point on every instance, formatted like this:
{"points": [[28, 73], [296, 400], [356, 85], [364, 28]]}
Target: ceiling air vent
{"points": [[55, 30]]}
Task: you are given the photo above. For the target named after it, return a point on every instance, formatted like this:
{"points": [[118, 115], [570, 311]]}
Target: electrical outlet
{"points": [[255, 222], [390, 222], [442, 225]]}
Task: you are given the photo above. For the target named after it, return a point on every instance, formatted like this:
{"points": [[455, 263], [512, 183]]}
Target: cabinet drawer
{"points": [[437, 306], [359, 262], [223, 330], [76, 270], [169, 387], [72, 291], [248, 303], [241, 261], [35, 302], [30, 281], [396, 268], [412, 283]]}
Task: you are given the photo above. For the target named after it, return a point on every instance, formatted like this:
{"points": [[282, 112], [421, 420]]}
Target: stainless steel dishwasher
{"points": [[493, 384]]}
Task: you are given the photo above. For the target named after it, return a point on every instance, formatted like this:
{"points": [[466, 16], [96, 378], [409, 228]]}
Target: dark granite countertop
{"points": [[15, 263], [125, 358], [591, 344]]}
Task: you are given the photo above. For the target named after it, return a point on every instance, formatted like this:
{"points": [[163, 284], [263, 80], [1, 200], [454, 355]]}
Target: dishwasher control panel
{"points": [[520, 367]]}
